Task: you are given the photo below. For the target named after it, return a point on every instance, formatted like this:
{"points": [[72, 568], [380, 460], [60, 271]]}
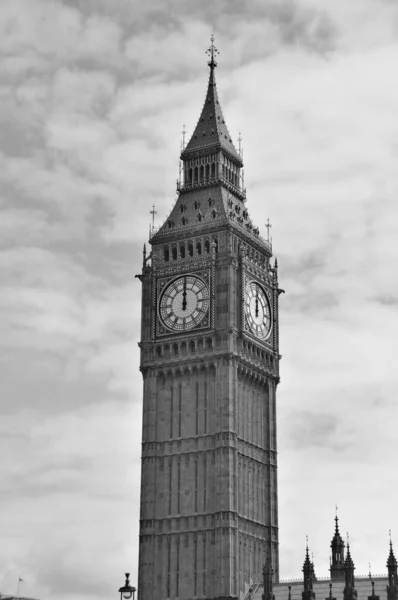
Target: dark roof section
{"points": [[307, 566], [211, 130], [337, 541], [349, 563], [391, 561]]}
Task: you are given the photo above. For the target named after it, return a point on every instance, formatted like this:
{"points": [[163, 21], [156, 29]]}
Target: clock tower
{"points": [[210, 366]]}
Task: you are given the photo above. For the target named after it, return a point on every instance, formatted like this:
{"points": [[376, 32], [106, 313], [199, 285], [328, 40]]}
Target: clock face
{"points": [[184, 303], [258, 312]]}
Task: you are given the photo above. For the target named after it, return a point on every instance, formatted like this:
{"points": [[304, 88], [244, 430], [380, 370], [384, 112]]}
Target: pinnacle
{"points": [[307, 562], [211, 129], [337, 540], [348, 561], [391, 561]]}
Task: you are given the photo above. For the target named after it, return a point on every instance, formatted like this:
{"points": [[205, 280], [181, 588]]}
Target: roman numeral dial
{"points": [[184, 303], [257, 310]]}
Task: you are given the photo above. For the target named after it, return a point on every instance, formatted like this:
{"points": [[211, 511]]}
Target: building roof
{"points": [[321, 589], [8, 597], [211, 129]]}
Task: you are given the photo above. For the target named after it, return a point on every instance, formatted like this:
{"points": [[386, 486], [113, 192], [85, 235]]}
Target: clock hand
{"points": [[184, 295], [256, 302]]}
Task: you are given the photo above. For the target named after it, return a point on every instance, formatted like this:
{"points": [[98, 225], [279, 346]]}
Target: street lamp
{"points": [[127, 591]]}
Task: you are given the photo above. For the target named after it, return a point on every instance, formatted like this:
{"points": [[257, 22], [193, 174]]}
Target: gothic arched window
{"points": [[182, 250], [199, 248], [166, 254], [174, 252], [190, 249]]}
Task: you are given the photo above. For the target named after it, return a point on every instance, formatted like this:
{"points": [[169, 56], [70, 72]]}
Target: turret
{"points": [[350, 592], [308, 573], [392, 587], [337, 559]]}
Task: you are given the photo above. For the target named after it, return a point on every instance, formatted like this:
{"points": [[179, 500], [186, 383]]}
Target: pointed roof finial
{"points": [[307, 563], [240, 144], [153, 212], [268, 227], [391, 561], [183, 137], [212, 52]]}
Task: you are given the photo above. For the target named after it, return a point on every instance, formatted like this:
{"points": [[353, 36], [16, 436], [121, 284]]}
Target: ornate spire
{"points": [[211, 132], [337, 561], [308, 572], [391, 561], [392, 588], [349, 590]]}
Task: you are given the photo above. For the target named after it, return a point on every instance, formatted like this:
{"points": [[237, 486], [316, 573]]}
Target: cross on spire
{"points": [[212, 52], [183, 136], [153, 212], [268, 227], [240, 144]]}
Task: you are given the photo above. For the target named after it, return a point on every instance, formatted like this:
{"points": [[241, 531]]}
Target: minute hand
{"points": [[184, 295]]}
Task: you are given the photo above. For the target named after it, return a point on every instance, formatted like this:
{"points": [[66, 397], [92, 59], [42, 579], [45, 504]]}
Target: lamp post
{"points": [[127, 591]]}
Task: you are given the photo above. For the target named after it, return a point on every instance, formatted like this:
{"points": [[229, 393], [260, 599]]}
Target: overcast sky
{"points": [[93, 98]]}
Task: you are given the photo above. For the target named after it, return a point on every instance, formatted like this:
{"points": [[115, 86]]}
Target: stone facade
{"points": [[209, 503]]}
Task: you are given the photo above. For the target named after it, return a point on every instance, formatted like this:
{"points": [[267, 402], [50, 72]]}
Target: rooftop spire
{"points": [[349, 568], [211, 132], [308, 573], [392, 588], [391, 561], [337, 545]]}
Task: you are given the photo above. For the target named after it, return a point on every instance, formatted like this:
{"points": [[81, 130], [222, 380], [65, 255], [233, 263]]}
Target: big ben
{"points": [[210, 366]]}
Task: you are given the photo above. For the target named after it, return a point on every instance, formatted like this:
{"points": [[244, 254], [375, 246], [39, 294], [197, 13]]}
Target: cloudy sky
{"points": [[93, 97]]}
